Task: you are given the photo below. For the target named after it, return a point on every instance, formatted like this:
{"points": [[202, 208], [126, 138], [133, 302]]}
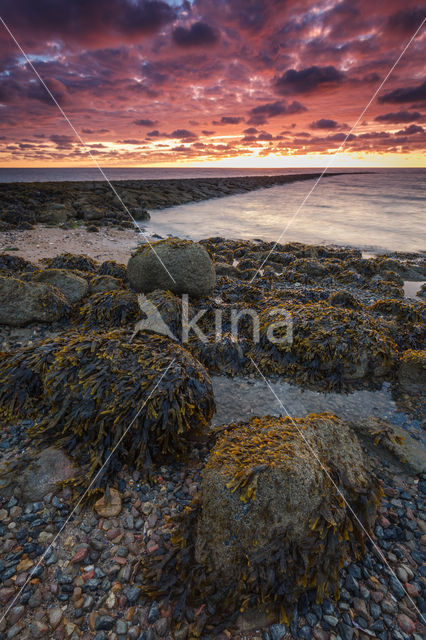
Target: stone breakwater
{"points": [[94, 203]]}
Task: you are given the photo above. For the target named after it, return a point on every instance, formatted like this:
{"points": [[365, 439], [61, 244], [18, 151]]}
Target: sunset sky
{"points": [[243, 83]]}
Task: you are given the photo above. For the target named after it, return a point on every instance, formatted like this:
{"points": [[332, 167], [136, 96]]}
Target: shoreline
{"points": [[95, 203]]}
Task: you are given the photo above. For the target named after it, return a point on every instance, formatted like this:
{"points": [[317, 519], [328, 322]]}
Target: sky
{"points": [[236, 83]]}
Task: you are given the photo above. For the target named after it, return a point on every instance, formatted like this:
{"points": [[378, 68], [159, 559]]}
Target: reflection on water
{"points": [[412, 287], [382, 210], [242, 398]]}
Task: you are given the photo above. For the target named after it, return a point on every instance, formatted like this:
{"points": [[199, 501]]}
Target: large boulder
{"points": [[72, 286], [272, 520], [180, 266], [91, 391], [24, 302]]}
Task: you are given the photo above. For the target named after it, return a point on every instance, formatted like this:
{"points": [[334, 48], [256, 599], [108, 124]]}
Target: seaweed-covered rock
{"points": [[71, 261], [10, 264], [225, 356], [112, 268], [55, 213], [344, 299], [99, 394], [224, 269], [161, 312], [412, 370], [272, 520], [102, 284], [71, 286], [108, 310], [24, 302], [188, 263], [329, 346]]}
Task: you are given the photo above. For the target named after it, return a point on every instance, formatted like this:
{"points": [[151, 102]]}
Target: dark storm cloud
{"points": [[228, 120], [409, 131], [144, 122], [405, 94], [87, 20], [260, 114], [324, 123], [309, 79], [199, 34], [407, 20], [400, 117], [182, 134], [63, 141]]}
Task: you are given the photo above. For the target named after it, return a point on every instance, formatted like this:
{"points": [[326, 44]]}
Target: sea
{"points": [[377, 210]]}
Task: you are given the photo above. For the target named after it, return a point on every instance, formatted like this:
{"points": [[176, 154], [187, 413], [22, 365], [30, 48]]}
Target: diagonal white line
{"points": [[85, 146], [84, 495], [317, 181], [314, 453]]}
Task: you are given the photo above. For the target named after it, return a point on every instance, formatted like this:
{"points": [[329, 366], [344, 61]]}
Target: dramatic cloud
{"points": [[151, 82], [407, 20], [400, 117], [199, 34], [409, 94], [229, 120], [323, 123], [144, 123], [261, 114], [308, 80]]}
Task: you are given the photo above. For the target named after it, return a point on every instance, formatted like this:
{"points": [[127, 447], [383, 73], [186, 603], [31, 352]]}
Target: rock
{"points": [[139, 213], [73, 287], [39, 477], [277, 631], [109, 505], [104, 623], [93, 213], [100, 284], [224, 269], [412, 370], [38, 629], [188, 263], [405, 623], [264, 500], [54, 214], [24, 302], [55, 617], [395, 441]]}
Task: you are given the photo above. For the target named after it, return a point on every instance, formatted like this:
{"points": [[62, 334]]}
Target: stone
{"points": [[48, 467], [405, 623], [412, 370], [55, 617], [109, 506], [38, 629], [277, 631], [24, 302], [394, 440], [72, 286], [180, 266]]}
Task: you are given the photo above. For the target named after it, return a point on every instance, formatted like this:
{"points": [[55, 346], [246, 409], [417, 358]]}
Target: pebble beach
{"points": [[74, 573]]}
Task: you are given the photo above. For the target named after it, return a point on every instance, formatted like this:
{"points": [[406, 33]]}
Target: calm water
{"points": [[382, 209]]}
